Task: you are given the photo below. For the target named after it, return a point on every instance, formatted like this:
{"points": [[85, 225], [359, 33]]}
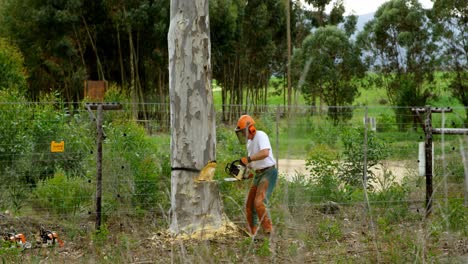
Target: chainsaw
{"points": [[18, 240], [236, 169], [50, 238]]}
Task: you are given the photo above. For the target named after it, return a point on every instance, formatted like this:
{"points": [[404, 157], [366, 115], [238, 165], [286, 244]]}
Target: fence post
{"points": [[100, 137], [277, 135], [428, 161], [465, 169], [364, 176]]}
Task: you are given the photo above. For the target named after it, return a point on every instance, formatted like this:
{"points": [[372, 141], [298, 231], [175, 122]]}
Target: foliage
{"points": [[66, 42], [264, 249], [385, 122], [398, 44], [323, 165], [62, 195], [330, 230], [355, 153], [101, 237], [450, 18], [457, 216], [12, 72], [134, 167], [331, 62], [320, 18], [8, 253], [321, 184]]}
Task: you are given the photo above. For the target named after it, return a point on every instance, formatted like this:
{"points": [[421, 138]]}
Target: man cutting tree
{"points": [[260, 159]]}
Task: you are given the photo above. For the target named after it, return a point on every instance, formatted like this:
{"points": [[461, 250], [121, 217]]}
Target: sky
{"points": [[361, 7]]}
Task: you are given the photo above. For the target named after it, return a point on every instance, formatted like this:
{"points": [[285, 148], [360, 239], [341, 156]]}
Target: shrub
{"points": [[12, 73], [63, 195], [330, 230], [322, 183], [134, 167], [354, 154], [385, 122]]}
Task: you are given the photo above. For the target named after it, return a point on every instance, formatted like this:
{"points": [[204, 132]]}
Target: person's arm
{"points": [[262, 154]]}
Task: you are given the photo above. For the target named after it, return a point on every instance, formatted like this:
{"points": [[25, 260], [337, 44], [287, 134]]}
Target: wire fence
{"points": [[324, 155]]}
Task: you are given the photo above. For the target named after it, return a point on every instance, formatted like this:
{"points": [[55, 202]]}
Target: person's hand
{"points": [[245, 160], [248, 175]]}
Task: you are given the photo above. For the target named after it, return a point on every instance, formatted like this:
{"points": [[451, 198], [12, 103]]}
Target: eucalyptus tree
{"points": [[196, 207], [263, 46], [317, 18], [44, 32], [451, 20], [332, 65], [138, 33], [320, 18], [249, 45], [398, 43], [226, 29]]}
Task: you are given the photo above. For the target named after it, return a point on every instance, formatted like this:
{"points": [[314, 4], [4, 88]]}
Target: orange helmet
{"points": [[244, 121], [244, 124]]}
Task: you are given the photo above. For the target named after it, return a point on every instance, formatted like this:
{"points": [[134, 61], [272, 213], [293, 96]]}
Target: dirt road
{"points": [[289, 168]]}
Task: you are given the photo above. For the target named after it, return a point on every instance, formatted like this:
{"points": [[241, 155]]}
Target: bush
{"points": [[134, 168], [12, 73], [322, 183], [354, 154], [63, 195], [385, 122]]}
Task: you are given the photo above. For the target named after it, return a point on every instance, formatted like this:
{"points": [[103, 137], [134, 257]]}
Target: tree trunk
{"points": [[195, 207]]}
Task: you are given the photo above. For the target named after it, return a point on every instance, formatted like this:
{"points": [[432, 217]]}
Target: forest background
{"points": [[417, 57]]}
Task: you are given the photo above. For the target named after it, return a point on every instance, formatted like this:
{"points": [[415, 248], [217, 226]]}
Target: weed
{"points": [[62, 195], [329, 230], [100, 237], [264, 249]]}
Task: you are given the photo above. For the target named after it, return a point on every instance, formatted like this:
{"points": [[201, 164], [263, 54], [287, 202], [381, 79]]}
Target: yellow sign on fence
{"points": [[57, 146]]}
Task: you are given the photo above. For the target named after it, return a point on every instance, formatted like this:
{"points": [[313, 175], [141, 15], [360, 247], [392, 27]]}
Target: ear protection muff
{"points": [[252, 129]]}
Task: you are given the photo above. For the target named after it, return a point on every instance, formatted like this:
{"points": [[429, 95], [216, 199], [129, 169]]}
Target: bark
{"points": [[194, 206]]}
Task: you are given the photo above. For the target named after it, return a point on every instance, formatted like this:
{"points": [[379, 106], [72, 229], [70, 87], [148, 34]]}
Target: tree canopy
{"points": [[398, 44], [64, 43], [331, 63]]}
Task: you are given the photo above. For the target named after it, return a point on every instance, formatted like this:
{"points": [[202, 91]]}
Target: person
{"points": [[260, 160]]}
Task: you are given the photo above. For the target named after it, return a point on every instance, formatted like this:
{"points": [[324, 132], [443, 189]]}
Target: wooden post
{"points": [[429, 131], [100, 137], [428, 161], [465, 169], [364, 176]]}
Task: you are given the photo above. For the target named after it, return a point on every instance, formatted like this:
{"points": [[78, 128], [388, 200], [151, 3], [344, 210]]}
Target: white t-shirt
{"points": [[260, 142]]}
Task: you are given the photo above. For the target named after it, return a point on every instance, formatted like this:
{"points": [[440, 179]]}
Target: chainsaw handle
{"points": [[228, 167]]}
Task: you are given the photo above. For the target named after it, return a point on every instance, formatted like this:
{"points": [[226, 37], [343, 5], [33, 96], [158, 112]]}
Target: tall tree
{"points": [[66, 42], [398, 43], [195, 206], [451, 20], [44, 33], [332, 64], [320, 18]]}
